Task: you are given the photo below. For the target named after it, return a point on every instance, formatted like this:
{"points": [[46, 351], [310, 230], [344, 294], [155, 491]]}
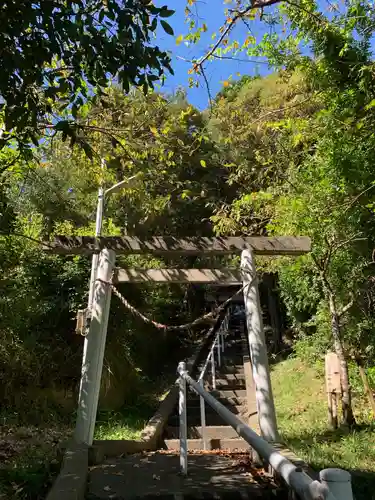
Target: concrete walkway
{"points": [[158, 474]]}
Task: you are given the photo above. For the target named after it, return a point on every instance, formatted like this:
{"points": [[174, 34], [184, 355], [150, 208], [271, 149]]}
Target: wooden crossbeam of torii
{"points": [[126, 245], [204, 276], [108, 247]]}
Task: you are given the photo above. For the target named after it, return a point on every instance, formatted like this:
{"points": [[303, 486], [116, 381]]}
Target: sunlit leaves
{"points": [[50, 71], [179, 39]]}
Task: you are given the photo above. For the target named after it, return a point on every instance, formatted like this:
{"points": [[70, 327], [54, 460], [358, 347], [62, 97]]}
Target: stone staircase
{"points": [[224, 471], [234, 390]]}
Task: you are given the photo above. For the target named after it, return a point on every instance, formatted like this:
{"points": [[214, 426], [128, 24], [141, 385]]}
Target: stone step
{"points": [[226, 367], [233, 347], [213, 419], [234, 340], [229, 393], [194, 419], [236, 409], [230, 365], [234, 357], [231, 445], [233, 344], [226, 401], [221, 374], [195, 432], [224, 384]]}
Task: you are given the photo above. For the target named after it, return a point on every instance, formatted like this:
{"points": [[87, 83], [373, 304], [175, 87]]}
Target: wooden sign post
{"points": [[333, 386]]}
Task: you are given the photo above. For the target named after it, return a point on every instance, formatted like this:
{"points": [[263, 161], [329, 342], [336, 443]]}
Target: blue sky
{"points": [[212, 13]]}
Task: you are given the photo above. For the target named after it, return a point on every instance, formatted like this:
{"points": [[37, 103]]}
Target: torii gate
{"points": [[108, 247]]}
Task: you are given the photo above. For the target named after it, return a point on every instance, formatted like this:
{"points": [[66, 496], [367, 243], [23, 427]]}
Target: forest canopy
{"points": [[290, 152]]}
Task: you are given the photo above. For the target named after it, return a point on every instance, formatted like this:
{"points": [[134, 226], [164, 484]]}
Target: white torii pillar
{"points": [[258, 349], [93, 351]]}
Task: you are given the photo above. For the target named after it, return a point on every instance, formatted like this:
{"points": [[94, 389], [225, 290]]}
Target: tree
{"points": [[322, 186], [260, 131], [163, 140], [54, 54], [326, 184]]}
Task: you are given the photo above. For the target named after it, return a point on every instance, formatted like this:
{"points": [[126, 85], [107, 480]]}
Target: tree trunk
{"points": [[347, 411]]}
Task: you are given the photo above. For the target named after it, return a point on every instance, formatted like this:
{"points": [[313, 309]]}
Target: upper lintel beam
{"points": [[126, 245]]}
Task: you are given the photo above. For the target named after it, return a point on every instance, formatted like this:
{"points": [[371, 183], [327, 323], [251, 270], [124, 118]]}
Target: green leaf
{"points": [[62, 125], [154, 24], [167, 28], [164, 12], [370, 105], [110, 39], [203, 163]]}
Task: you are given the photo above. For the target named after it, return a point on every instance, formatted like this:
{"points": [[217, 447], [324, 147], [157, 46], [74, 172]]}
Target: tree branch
{"points": [[357, 197], [208, 88], [341, 244], [230, 25], [346, 308], [239, 59]]}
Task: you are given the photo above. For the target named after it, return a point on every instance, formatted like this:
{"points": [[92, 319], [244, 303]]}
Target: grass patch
{"points": [[300, 400], [125, 424]]}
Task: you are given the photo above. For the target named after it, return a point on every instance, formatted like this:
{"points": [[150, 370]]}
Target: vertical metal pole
{"points": [[98, 230], [339, 483], [223, 334], [203, 417], [218, 350], [182, 410], [258, 350], [93, 353], [213, 367]]}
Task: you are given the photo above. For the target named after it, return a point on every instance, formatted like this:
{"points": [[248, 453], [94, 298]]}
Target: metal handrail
{"points": [[334, 483], [218, 343]]}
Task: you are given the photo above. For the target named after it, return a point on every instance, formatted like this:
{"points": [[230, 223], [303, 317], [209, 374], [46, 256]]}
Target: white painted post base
{"points": [[258, 350], [338, 482], [93, 351]]}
